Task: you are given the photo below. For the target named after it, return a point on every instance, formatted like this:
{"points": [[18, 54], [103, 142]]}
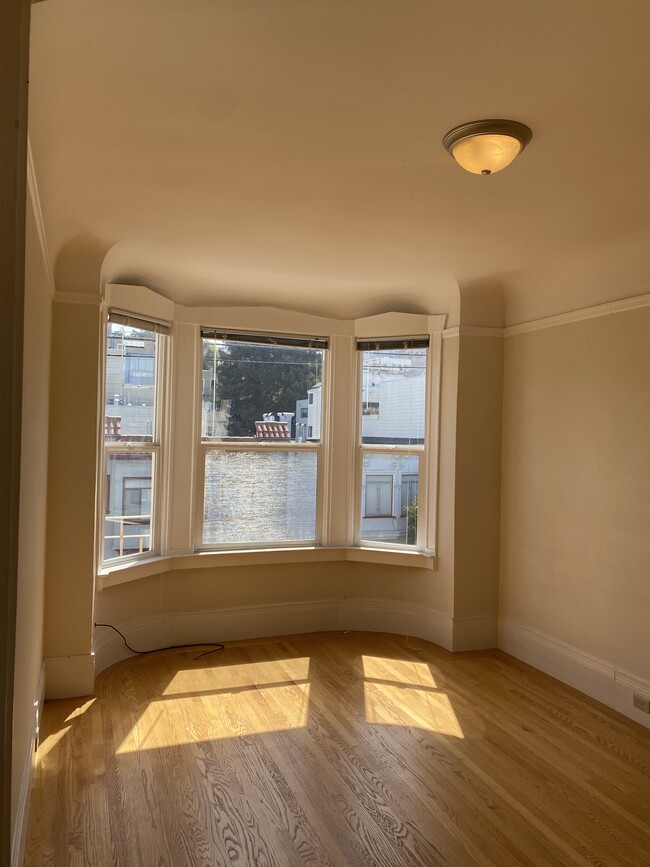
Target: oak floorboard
{"points": [[337, 750]]}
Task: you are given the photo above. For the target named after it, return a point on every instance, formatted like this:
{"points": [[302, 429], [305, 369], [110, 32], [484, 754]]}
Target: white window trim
{"points": [[338, 505], [426, 473], [155, 449]]}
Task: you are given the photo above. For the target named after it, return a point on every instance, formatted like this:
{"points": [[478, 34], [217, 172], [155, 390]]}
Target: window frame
{"points": [[204, 445], [423, 450], [162, 331]]}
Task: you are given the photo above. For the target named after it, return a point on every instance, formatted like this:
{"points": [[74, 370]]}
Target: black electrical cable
{"points": [[215, 646]]}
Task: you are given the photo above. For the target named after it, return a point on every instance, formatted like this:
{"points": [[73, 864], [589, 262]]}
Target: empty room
{"points": [[326, 371]]}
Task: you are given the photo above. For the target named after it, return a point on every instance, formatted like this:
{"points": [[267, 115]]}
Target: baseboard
{"points": [[625, 686], [594, 676], [475, 633], [22, 810], [255, 621], [400, 618], [69, 676]]}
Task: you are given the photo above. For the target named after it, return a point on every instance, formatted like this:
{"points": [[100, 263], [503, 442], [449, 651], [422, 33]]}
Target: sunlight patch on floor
{"points": [[245, 674], [224, 702], [404, 693], [48, 743], [78, 711], [399, 670]]}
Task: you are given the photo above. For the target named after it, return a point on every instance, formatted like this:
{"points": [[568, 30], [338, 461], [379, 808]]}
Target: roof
{"points": [[272, 430]]}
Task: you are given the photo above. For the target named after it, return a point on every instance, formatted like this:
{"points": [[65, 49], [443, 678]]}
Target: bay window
{"points": [[275, 441]]}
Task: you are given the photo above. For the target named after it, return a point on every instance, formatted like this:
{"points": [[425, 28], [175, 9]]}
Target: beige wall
{"points": [[478, 477], [72, 481], [575, 557], [33, 501], [239, 586]]}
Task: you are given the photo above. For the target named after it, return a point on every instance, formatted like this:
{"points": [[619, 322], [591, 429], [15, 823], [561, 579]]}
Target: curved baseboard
{"points": [[234, 624]]}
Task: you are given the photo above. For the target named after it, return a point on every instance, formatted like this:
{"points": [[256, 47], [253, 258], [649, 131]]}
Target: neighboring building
{"points": [[302, 420], [391, 414], [130, 412], [215, 416]]}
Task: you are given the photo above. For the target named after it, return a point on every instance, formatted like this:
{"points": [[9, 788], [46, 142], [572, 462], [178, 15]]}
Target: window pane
{"points": [[259, 496], [127, 524], [261, 393], [389, 498], [393, 396], [130, 384]]}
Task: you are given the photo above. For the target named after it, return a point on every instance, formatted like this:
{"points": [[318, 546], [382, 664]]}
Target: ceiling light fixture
{"points": [[484, 147]]}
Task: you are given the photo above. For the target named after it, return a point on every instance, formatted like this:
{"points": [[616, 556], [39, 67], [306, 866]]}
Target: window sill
{"points": [[121, 573]]}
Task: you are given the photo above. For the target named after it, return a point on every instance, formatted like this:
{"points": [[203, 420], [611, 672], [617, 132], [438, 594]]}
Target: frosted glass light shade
{"points": [[486, 154], [484, 147]]}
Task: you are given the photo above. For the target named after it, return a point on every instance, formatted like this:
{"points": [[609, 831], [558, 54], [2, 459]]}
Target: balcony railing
{"points": [[128, 521]]}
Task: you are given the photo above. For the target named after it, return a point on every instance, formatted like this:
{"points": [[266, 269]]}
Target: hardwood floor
{"points": [[337, 749]]}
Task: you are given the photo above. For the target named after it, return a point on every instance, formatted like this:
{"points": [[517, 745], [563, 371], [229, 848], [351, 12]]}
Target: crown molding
{"points": [[595, 312], [472, 331]]}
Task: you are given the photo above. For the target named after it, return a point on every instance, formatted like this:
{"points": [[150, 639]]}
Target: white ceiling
{"points": [[288, 152]]}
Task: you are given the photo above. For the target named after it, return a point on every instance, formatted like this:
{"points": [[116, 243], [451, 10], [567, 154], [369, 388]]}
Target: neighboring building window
{"points": [[260, 479], [136, 498], [310, 431], [304, 412], [138, 369], [392, 407], [131, 437], [379, 496]]}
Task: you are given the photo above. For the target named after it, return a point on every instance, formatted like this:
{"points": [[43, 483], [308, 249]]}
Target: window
{"points": [[260, 475], [136, 497], [275, 441], [379, 496], [131, 434], [139, 369], [371, 407], [392, 403]]}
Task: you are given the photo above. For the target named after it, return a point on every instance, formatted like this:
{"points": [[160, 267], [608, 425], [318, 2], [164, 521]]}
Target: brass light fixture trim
{"points": [[487, 146]]}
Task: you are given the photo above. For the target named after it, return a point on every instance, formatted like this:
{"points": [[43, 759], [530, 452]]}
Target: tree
{"points": [[412, 522], [260, 379]]}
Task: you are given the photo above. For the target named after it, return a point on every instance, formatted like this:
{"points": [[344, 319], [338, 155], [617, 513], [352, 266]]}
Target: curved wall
{"points": [[224, 604]]}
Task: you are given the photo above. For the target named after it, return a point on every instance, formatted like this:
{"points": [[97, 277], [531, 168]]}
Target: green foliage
{"points": [[260, 379], [412, 522]]}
